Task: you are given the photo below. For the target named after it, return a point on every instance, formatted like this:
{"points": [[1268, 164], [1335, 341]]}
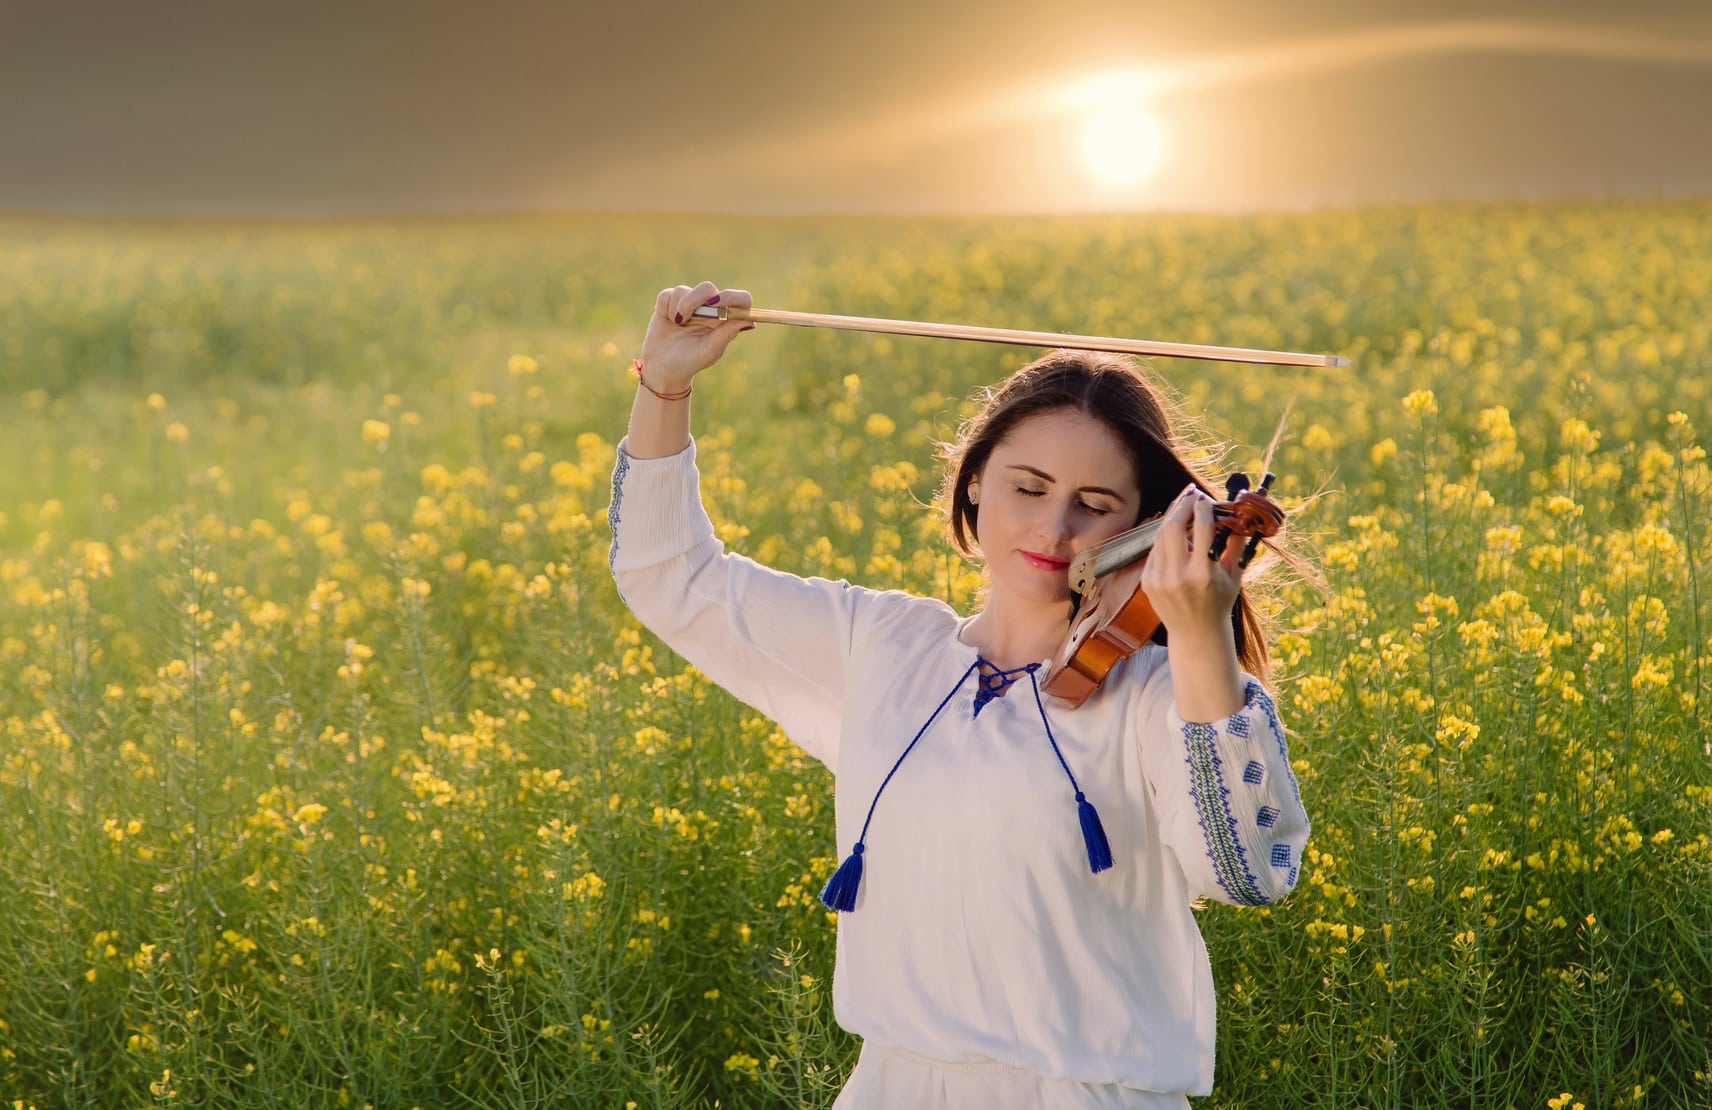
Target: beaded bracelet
{"points": [[678, 396]]}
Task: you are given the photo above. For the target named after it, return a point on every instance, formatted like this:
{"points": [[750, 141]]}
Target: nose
{"points": [[1059, 524]]}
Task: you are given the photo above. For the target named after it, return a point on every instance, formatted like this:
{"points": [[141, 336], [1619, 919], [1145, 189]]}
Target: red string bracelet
{"points": [[678, 396]]}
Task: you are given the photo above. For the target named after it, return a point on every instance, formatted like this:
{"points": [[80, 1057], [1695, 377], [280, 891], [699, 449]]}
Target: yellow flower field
{"points": [[334, 773]]}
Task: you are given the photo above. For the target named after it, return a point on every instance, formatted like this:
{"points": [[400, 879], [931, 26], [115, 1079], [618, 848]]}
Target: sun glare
{"points": [[1122, 143]]}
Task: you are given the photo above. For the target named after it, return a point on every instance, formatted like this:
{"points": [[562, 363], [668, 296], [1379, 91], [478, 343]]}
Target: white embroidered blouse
{"points": [[980, 932]]}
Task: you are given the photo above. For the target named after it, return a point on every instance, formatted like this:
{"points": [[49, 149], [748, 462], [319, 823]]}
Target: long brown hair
{"points": [[1111, 389]]}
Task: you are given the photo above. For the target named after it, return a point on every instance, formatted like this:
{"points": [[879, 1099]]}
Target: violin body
{"points": [[1115, 617]]}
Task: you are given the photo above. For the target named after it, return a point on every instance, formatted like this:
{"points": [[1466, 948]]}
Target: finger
{"points": [[737, 298], [1201, 526], [1171, 538], [1230, 560], [683, 301], [1177, 513], [732, 298], [718, 334], [691, 298], [663, 303]]}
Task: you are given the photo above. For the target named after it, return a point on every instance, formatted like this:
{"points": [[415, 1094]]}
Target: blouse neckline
{"points": [[972, 654]]}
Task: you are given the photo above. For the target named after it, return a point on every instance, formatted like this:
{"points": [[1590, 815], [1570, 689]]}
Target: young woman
{"points": [[1018, 873]]}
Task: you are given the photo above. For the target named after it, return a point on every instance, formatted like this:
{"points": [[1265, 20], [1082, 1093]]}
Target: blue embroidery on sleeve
{"points": [[618, 474], [1256, 695], [1212, 799], [1218, 827]]}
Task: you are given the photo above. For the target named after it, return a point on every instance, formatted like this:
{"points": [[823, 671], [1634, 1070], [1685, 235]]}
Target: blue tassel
{"points": [[1093, 835], [840, 892]]}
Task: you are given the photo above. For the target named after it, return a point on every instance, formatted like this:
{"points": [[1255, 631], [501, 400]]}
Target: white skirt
{"points": [[888, 1078]]}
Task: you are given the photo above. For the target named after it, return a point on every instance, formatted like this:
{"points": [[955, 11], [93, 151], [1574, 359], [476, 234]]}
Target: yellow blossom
{"points": [[585, 887], [1576, 436], [1456, 730]]}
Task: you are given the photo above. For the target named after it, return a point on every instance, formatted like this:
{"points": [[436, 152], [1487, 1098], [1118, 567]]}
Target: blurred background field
{"points": [[334, 773]]}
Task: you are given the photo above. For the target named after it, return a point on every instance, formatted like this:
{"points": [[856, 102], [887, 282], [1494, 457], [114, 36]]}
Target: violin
{"points": [[1111, 616]]}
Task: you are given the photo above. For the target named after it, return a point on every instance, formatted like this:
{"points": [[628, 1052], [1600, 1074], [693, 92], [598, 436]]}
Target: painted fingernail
{"points": [[713, 299], [747, 327], [677, 317]]}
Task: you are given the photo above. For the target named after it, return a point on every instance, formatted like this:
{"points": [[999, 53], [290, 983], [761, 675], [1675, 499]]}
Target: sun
{"points": [[1122, 143]]}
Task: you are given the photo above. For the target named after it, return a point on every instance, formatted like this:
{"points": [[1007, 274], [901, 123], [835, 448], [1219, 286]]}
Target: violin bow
{"points": [[1050, 339]]}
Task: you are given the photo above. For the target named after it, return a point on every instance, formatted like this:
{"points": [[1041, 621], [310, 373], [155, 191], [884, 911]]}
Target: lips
{"points": [[1045, 562]]}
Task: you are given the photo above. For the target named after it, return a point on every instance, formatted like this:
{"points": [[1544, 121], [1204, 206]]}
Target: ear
{"points": [[974, 491]]}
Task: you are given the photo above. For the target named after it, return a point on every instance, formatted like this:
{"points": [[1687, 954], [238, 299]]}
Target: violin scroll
{"points": [[1259, 515]]}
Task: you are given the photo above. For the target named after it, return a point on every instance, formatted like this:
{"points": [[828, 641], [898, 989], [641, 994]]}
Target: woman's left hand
{"points": [[1192, 594]]}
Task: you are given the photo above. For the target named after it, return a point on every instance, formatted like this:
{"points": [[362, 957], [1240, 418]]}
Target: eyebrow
{"points": [[1044, 476]]}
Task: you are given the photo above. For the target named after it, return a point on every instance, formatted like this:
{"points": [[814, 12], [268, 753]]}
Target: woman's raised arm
{"points": [[678, 346]]}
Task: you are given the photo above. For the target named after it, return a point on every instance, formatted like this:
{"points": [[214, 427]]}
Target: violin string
{"points": [[1121, 550], [1126, 547]]}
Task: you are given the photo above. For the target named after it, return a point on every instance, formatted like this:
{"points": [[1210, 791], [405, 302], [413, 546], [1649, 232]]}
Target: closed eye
{"points": [[1097, 510]]}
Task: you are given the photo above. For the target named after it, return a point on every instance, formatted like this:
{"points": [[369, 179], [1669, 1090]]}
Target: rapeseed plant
{"points": [[333, 770]]}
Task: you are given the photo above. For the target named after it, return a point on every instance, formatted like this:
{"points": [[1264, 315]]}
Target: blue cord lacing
{"points": [[996, 681], [1093, 833], [840, 891]]}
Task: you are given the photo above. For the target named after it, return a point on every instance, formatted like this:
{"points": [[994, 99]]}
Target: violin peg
{"points": [[1235, 484], [1266, 481]]}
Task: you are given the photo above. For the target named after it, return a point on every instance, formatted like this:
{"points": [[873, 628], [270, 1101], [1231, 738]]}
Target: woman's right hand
{"points": [[680, 345]]}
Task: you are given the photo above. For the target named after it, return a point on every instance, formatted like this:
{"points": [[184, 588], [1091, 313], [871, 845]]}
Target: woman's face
{"points": [[1060, 482]]}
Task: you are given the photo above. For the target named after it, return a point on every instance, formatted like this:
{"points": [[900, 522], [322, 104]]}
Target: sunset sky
{"points": [[921, 106]]}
